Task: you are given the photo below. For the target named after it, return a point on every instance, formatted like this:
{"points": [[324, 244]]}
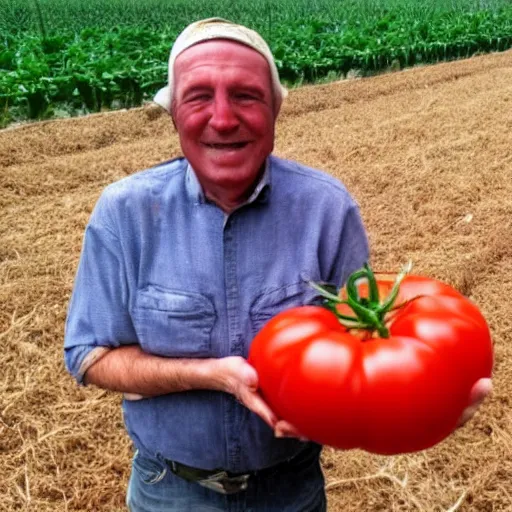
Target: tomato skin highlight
{"points": [[286, 331], [351, 389]]}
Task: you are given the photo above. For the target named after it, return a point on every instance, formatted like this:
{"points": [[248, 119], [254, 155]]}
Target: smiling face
{"points": [[223, 110]]}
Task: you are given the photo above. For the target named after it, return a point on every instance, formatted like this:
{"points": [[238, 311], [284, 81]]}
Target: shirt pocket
{"points": [[174, 323], [272, 302]]}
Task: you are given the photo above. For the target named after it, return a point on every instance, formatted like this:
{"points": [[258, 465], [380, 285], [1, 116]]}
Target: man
{"points": [[183, 263]]}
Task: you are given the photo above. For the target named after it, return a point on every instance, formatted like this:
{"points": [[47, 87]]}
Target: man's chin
{"points": [[232, 180], [228, 159]]}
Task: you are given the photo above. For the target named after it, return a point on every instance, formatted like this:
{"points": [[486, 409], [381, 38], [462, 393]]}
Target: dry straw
{"points": [[426, 152]]}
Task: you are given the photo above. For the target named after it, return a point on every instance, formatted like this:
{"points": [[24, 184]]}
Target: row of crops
{"points": [[56, 61]]}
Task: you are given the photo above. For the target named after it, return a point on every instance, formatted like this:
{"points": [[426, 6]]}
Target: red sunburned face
{"points": [[223, 111]]}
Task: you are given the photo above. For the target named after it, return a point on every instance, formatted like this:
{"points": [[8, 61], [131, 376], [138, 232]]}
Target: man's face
{"points": [[223, 111]]}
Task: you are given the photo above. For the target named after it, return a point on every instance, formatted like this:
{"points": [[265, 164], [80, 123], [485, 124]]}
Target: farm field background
{"points": [[69, 57], [427, 152]]}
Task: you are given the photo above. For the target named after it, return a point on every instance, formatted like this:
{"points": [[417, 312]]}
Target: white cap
{"points": [[218, 28]]}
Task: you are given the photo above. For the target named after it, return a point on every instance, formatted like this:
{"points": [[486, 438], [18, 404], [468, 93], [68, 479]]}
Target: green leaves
{"points": [[83, 72], [88, 69]]}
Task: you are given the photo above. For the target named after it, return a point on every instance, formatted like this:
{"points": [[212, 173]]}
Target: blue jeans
{"points": [[294, 486]]}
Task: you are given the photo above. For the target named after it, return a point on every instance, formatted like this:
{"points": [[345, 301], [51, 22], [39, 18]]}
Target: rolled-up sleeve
{"points": [[353, 250], [344, 241], [98, 314]]}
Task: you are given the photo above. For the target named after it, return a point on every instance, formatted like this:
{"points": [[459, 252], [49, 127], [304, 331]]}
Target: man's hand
{"points": [[240, 379], [479, 392], [285, 429]]}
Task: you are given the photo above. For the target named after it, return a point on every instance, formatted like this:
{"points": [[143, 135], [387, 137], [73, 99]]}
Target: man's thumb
{"points": [[250, 377]]}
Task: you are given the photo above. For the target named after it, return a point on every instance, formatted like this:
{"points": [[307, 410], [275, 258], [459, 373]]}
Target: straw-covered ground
{"points": [[427, 153]]}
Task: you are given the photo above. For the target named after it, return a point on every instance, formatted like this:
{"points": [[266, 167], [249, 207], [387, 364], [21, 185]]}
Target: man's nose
{"points": [[223, 117]]}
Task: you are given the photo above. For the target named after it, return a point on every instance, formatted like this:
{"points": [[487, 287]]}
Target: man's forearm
{"points": [[130, 370]]}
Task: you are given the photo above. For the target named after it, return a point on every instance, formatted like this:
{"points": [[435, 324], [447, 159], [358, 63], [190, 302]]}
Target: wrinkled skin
{"points": [[349, 389]]}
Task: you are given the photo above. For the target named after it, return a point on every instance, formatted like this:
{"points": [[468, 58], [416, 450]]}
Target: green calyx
{"points": [[369, 312]]}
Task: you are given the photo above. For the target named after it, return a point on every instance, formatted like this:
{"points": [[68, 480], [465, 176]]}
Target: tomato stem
{"points": [[372, 285], [393, 294], [369, 311]]}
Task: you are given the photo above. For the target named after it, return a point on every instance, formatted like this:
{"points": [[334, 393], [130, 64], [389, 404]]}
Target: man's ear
{"points": [[171, 112], [276, 103], [277, 108]]}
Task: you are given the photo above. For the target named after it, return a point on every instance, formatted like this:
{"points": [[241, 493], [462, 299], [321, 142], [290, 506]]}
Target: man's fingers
{"points": [[479, 393], [285, 429], [256, 404], [243, 383]]}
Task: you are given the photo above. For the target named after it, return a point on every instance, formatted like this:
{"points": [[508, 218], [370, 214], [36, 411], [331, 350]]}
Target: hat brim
{"points": [[163, 98]]}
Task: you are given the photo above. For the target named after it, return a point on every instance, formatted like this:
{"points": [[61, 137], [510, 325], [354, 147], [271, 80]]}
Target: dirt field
{"points": [[428, 154]]}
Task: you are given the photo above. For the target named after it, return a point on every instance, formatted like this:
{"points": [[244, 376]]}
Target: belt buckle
{"points": [[222, 483]]}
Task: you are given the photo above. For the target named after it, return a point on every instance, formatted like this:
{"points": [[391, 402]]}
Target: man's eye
{"points": [[199, 97], [245, 97]]}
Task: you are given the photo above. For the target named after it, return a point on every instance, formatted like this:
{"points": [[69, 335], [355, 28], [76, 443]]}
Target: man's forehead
{"points": [[236, 63], [219, 50]]}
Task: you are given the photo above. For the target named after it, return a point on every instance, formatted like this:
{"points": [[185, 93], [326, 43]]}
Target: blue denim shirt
{"points": [[163, 267]]}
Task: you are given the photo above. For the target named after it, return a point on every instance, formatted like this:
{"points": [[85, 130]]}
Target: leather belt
{"points": [[217, 480], [223, 481]]}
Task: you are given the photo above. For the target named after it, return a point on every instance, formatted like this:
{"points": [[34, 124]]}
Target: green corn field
{"points": [[69, 57]]}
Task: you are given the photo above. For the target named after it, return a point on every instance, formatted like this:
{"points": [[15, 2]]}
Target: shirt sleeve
{"points": [[353, 249], [98, 315]]}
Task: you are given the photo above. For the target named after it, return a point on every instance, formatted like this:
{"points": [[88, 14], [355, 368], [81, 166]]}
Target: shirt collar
{"points": [[259, 194]]}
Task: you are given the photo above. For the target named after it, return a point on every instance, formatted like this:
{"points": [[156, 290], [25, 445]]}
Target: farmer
{"points": [[183, 263]]}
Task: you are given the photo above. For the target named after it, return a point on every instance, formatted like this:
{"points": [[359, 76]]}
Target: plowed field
{"points": [[427, 153]]}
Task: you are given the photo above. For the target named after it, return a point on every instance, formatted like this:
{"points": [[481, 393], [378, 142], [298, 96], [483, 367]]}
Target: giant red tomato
{"points": [[394, 379]]}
